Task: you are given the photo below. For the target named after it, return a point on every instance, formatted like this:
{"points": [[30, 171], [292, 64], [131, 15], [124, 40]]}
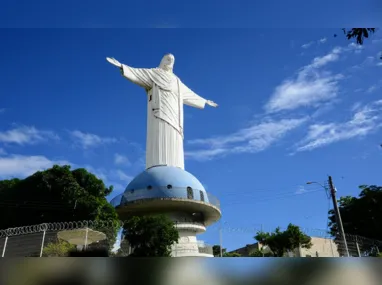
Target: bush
{"points": [[58, 249]]}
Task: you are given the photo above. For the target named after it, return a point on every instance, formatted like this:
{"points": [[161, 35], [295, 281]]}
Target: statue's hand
{"points": [[113, 61], [211, 103]]}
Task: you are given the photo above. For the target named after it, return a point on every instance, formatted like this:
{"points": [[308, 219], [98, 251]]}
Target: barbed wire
{"points": [[48, 227], [74, 225], [104, 225], [27, 239]]}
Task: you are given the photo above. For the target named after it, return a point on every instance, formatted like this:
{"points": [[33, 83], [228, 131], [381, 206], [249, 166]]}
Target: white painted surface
{"points": [[81, 237], [198, 228], [324, 247], [188, 244], [166, 95]]}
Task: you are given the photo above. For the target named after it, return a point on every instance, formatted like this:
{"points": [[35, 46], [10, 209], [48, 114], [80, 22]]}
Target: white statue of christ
{"points": [[166, 95]]}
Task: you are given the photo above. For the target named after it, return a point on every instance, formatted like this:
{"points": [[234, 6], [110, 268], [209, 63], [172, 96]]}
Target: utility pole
{"points": [[337, 214]]}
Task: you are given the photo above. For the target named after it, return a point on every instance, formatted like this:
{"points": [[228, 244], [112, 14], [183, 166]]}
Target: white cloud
{"points": [[379, 64], [356, 106], [368, 61], [123, 176], [87, 140], [324, 60], [117, 178], [121, 159], [26, 135], [117, 187], [356, 47], [307, 45], [255, 138], [365, 120], [100, 173], [301, 190], [311, 86], [205, 154], [372, 88], [22, 166]]}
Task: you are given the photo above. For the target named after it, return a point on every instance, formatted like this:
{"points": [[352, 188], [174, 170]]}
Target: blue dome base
{"points": [[165, 182], [162, 176], [164, 189]]}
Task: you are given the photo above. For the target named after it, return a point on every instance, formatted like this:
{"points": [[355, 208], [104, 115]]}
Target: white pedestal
{"points": [[188, 245]]}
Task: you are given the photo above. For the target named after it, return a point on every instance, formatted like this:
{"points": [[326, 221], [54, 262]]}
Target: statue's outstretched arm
{"points": [[192, 99], [139, 76], [211, 103]]}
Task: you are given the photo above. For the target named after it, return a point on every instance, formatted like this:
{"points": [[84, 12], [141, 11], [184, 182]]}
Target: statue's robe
{"points": [[166, 95]]}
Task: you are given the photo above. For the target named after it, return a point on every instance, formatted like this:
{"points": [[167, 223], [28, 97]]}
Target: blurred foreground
{"points": [[167, 271]]}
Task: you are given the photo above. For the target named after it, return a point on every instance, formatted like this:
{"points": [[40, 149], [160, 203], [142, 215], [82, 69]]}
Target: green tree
{"points": [[280, 242], [216, 250], [261, 253], [231, 254], [58, 249], [360, 215], [359, 34], [58, 194], [150, 236]]}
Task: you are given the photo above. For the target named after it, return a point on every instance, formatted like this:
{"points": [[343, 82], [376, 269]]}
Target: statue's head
{"points": [[167, 62]]}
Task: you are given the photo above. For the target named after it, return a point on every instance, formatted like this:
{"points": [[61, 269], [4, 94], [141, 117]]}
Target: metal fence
{"points": [[323, 244], [34, 240], [207, 249], [41, 240], [358, 246], [350, 245]]}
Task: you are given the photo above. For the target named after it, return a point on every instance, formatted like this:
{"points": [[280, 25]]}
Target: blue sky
{"points": [[189, 14], [294, 106]]}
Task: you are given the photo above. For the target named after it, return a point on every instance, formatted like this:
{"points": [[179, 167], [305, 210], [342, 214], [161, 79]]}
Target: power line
{"points": [[254, 192], [276, 198]]}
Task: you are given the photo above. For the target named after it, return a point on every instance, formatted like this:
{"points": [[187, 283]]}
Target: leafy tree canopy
{"points": [[58, 249], [150, 236], [58, 194], [231, 254], [360, 215], [216, 250], [280, 242], [260, 253], [359, 34]]}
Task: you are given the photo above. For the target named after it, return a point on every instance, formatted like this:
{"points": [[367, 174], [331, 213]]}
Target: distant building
{"points": [[321, 247], [247, 250]]}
